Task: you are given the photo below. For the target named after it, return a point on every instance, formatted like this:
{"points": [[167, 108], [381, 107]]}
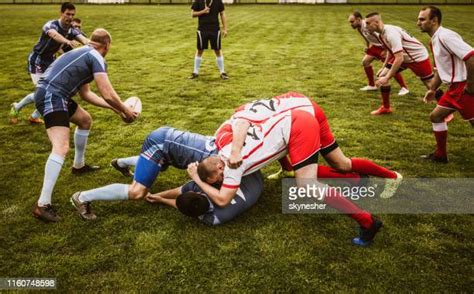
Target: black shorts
{"points": [[61, 118], [204, 37]]}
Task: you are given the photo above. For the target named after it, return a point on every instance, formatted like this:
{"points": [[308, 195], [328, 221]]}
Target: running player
{"points": [[53, 36], [374, 50], [405, 51], [68, 75], [455, 67]]}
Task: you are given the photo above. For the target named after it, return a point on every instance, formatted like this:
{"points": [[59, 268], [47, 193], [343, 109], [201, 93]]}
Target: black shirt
{"points": [[210, 21]]}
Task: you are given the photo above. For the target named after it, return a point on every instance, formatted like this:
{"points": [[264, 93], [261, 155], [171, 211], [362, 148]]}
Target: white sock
{"points": [[80, 141], [108, 193], [220, 63], [127, 161], [197, 64], [440, 127], [51, 172], [30, 98], [36, 114]]}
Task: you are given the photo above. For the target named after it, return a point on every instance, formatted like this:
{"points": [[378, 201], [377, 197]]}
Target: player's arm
{"points": [[112, 98], [91, 97], [397, 62], [224, 23], [53, 34], [197, 13], [433, 85], [167, 197], [82, 39], [239, 134]]}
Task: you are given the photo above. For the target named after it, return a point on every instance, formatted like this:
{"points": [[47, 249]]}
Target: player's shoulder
{"points": [[51, 24], [445, 33]]}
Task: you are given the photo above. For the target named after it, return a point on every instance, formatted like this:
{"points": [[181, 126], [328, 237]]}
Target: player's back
{"points": [[413, 50]]}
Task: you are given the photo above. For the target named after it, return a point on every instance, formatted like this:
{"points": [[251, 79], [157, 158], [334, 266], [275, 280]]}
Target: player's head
{"points": [[101, 40], [355, 19], [68, 10], [76, 23], [211, 170], [192, 204], [429, 18], [374, 22]]}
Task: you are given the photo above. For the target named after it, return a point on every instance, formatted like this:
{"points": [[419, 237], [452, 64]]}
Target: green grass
{"points": [[270, 50]]}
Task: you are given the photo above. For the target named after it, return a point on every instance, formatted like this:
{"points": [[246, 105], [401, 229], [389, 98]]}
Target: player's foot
{"points": [[193, 76], [367, 235], [382, 110], [124, 170], [281, 174], [224, 76], [13, 114], [45, 213], [368, 88], [432, 157], [391, 186], [35, 121], [449, 118], [83, 208], [85, 169], [403, 91]]}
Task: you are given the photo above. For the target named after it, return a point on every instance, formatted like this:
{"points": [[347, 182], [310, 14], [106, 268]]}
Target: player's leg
{"points": [[215, 40], [369, 72], [201, 44], [385, 93], [440, 131], [28, 99], [403, 86], [123, 165]]}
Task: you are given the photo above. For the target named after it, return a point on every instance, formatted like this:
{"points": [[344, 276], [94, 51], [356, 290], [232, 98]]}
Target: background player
{"points": [[53, 36], [76, 24], [455, 67], [208, 12], [374, 50]]}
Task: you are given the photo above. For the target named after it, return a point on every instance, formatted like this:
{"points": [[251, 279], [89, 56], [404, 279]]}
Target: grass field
{"points": [[269, 50]]}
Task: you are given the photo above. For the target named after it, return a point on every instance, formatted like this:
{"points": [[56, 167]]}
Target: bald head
{"points": [[101, 37]]}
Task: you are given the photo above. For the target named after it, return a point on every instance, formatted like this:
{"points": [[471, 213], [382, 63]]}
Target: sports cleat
{"points": [[124, 170], [83, 208], [382, 110], [432, 157], [35, 121], [403, 91], [45, 213], [368, 88], [281, 174], [13, 114], [193, 76], [366, 236], [85, 169], [391, 186], [224, 76]]}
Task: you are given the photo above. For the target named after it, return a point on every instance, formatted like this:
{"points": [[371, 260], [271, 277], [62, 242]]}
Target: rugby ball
{"points": [[134, 103]]}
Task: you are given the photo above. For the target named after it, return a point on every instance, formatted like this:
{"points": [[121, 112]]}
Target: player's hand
{"points": [[73, 44], [206, 10], [153, 198], [129, 116], [192, 171], [429, 96], [224, 32], [235, 160], [381, 81]]}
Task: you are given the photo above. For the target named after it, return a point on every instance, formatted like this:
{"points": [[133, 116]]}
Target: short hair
{"points": [[192, 204], [67, 6], [434, 12], [372, 14], [204, 169], [78, 20], [357, 14], [101, 36]]}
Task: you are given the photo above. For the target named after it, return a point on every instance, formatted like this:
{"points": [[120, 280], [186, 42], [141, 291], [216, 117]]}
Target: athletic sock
{"points": [[369, 71], [127, 161], [440, 131], [107, 193], [385, 91], [80, 142], [197, 64], [367, 167], [30, 98], [220, 63], [400, 80], [335, 200], [51, 173], [35, 114], [325, 172]]}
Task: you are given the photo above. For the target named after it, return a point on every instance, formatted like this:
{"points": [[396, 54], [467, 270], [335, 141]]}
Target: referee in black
{"points": [[208, 12]]}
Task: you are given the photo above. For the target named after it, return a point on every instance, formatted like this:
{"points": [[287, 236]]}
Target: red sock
{"points": [[400, 80], [385, 91], [335, 200], [286, 164], [369, 71], [365, 166], [441, 142], [325, 172]]}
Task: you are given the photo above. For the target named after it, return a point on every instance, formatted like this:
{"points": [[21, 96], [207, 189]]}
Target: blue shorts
{"points": [[38, 65], [152, 159]]}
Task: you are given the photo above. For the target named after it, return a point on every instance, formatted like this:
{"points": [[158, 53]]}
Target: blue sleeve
{"points": [[75, 32], [190, 186], [98, 62], [50, 25]]}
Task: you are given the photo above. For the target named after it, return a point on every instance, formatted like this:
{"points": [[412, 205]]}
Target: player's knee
{"points": [[199, 53], [436, 118], [61, 148], [135, 192], [365, 63], [86, 122], [344, 165]]}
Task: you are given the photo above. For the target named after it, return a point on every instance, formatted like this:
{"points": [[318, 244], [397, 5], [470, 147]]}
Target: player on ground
{"points": [[294, 132], [53, 36], [208, 12], [374, 50], [404, 51], [164, 147], [455, 67], [68, 75]]}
